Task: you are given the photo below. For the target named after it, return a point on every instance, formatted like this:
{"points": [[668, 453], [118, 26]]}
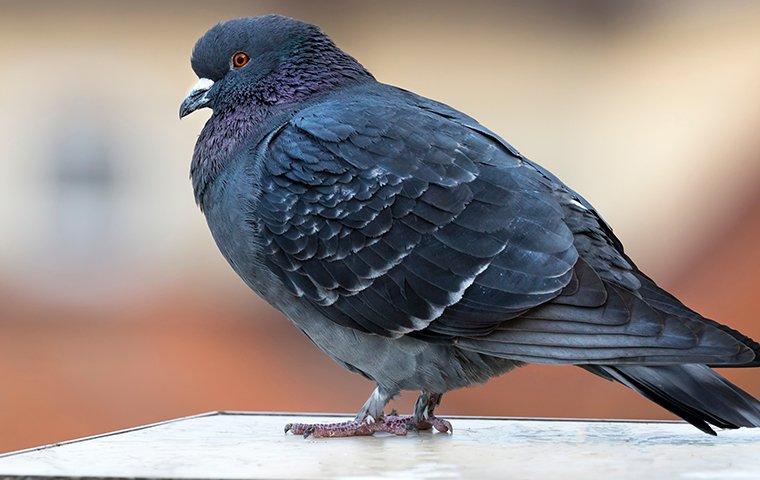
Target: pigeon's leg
{"points": [[423, 418], [374, 407], [369, 420]]}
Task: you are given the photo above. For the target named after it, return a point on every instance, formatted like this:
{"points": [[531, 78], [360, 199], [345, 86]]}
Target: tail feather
{"points": [[694, 392]]}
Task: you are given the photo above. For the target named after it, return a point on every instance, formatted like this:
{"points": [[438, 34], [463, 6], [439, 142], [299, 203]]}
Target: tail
{"points": [[694, 392]]}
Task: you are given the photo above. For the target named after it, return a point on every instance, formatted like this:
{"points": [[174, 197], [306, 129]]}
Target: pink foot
{"points": [[395, 424], [346, 429], [443, 426]]}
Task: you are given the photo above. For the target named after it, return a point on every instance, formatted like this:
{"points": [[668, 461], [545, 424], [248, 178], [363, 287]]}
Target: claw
{"points": [[288, 427], [443, 426]]}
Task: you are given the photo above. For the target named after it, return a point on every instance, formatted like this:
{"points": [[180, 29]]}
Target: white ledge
{"points": [[233, 445]]}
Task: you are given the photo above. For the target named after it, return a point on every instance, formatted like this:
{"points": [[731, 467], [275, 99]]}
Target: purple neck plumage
{"points": [[315, 67]]}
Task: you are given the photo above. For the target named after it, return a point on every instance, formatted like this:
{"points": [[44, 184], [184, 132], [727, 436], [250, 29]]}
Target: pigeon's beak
{"points": [[197, 98]]}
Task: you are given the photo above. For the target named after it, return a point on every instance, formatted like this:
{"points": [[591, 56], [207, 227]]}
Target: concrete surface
{"points": [[251, 445]]}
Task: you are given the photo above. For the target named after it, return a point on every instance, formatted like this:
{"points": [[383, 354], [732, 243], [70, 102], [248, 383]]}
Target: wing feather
{"points": [[384, 215], [396, 215]]}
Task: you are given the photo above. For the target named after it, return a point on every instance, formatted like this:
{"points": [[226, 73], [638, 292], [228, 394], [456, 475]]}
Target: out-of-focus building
{"points": [[115, 306]]}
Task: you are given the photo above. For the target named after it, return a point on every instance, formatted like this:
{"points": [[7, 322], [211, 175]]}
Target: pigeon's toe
{"points": [[394, 424]]}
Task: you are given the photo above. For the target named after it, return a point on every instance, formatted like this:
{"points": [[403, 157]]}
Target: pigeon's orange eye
{"points": [[240, 60]]}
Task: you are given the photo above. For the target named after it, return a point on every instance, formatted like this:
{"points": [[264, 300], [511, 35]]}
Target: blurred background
{"points": [[116, 309]]}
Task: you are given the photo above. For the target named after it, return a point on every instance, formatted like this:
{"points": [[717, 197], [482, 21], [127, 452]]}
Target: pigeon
{"points": [[419, 249]]}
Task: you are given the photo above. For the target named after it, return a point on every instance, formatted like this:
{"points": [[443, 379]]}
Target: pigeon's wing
{"points": [[593, 237], [669, 305], [398, 218], [608, 313], [383, 215]]}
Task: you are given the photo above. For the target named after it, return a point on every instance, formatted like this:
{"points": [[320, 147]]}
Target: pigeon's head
{"points": [[268, 59]]}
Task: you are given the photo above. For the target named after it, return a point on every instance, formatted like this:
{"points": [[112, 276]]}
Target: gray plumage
{"points": [[418, 248]]}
